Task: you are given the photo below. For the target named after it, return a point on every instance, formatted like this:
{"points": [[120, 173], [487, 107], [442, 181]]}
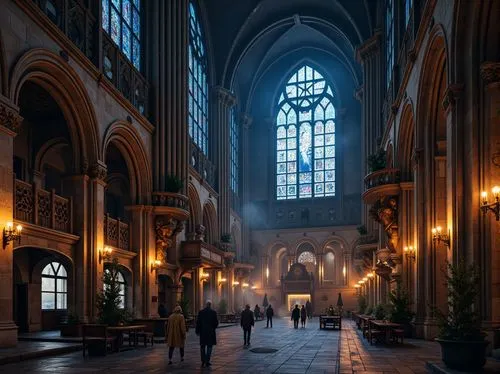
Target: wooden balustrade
{"points": [[43, 208], [170, 199], [381, 177], [116, 233]]}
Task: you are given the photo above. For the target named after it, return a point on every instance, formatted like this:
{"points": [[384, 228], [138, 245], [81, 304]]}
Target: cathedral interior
{"points": [[236, 151]]}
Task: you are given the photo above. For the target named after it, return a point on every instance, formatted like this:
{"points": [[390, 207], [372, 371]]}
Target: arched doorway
{"points": [[165, 296]]}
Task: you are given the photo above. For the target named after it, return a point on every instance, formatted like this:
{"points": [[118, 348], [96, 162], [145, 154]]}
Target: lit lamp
{"points": [[254, 287], [344, 271], [105, 253], [494, 206], [370, 275], [204, 276], [267, 273], [438, 236], [245, 285], [10, 234], [222, 280], [409, 252], [357, 286], [365, 279], [236, 283], [155, 265]]}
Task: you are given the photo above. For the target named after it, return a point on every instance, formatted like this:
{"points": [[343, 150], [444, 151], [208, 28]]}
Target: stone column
{"points": [[246, 122], [225, 100], [230, 289], [487, 242], [9, 123], [407, 232]]}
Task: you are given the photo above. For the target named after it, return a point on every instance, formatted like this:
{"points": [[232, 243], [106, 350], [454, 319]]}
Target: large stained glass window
{"points": [[234, 140], [197, 81], [408, 6], [389, 39], [305, 137], [121, 19]]}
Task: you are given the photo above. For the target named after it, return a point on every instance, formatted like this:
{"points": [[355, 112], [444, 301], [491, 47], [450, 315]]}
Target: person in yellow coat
{"points": [[176, 333]]}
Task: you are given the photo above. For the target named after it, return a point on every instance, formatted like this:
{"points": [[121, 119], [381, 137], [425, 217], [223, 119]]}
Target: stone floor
{"points": [[308, 350]]}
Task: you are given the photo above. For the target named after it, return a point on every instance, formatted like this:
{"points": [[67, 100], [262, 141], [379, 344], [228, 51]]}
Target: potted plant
{"points": [[173, 184], [108, 302], [361, 304], [379, 312], [377, 161], [463, 344], [400, 311], [226, 238], [72, 326]]}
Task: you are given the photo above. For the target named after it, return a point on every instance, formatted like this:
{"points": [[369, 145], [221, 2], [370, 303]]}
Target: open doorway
{"points": [[297, 299]]}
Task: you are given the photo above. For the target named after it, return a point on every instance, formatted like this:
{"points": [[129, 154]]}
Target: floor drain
{"points": [[263, 350]]}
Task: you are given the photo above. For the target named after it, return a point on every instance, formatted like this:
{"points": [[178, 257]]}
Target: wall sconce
{"points": [[437, 235], [254, 287], [245, 285], [155, 265], [222, 280], [370, 275], [344, 271], [105, 253], [236, 283], [267, 273], [361, 282], [357, 286], [204, 276], [9, 234], [364, 279], [494, 206], [410, 252]]}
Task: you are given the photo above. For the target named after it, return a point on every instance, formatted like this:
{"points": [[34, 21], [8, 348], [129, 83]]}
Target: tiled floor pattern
{"points": [[308, 350]]}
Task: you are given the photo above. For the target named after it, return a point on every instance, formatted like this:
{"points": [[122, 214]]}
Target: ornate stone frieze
{"points": [[166, 230], [98, 171], [9, 117], [490, 72]]}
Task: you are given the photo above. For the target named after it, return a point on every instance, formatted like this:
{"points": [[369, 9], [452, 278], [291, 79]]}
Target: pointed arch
{"points": [[210, 222], [406, 142], [128, 141], [195, 212], [52, 73]]}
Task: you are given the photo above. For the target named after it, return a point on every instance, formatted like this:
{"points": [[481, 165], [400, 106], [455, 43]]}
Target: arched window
{"points": [[118, 277], [389, 39], [305, 132], [197, 82], [329, 267], [308, 259], [234, 139], [54, 287], [121, 19]]}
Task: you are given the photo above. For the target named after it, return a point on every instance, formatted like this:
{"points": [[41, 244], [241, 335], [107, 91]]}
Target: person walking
{"points": [[303, 316], [296, 317], [176, 333], [309, 310], [256, 312], [206, 323], [246, 322], [269, 315]]}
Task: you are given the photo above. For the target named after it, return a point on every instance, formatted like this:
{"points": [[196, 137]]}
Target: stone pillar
{"points": [[225, 100], [230, 289], [98, 172], [9, 123], [246, 122], [198, 302], [407, 232]]}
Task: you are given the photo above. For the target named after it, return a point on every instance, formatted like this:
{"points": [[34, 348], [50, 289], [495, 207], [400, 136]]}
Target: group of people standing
{"points": [[302, 314]]}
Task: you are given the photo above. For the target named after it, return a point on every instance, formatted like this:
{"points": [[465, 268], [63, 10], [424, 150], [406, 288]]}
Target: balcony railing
{"points": [[42, 208], [170, 199], [381, 177], [116, 233], [202, 165]]}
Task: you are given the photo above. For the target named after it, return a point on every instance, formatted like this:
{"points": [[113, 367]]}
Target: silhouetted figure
{"points": [[309, 309], [256, 312], [246, 322], [206, 323], [303, 316], [162, 311], [296, 317], [269, 315]]}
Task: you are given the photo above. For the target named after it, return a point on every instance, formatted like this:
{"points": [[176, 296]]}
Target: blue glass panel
{"points": [[281, 156], [126, 42], [305, 151], [136, 54], [116, 3], [292, 155], [136, 24], [292, 167], [127, 11], [115, 26], [281, 179], [281, 132], [137, 3], [281, 168], [105, 15]]}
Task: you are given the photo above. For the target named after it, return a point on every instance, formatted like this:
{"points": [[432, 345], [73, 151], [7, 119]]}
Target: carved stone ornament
{"points": [[369, 48], [246, 120], [9, 117], [166, 230], [490, 72], [451, 95], [225, 96], [199, 232], [385, 212], [98, 171]]}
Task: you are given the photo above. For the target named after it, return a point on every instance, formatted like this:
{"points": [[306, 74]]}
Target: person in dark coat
{"points": [[246, 322], [269, 315], [309, 309], [162, 311], [295, 317], [303, 316], [206, 323], [256, 312]]}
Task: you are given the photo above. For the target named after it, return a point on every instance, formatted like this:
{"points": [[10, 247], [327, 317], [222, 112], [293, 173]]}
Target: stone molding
{"points": [[451, 96], [369, 48], [490, 72], [98, 171], [225, 97], [9, 116]]}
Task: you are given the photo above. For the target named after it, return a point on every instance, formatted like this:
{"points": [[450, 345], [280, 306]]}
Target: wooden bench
{"points": [[147, 334], [398, 334], [96, 339], [330, 322]]}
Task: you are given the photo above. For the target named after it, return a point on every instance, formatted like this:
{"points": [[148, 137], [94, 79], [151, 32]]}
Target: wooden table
{"points": [[385, 326], [330, 322], [120, 330]]}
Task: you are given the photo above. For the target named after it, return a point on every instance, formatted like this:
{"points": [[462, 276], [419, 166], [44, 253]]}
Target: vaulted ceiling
{"points": [[248, 36]]}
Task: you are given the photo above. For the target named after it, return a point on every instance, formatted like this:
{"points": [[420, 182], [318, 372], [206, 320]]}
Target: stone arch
{"points": [[406, 142], [389, 156], [195, 212], [300, 242], [210, 223], [55, 75], [128, 141], [338, 239]]}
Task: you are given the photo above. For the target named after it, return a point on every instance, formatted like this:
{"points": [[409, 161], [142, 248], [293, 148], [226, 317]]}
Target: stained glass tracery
{"points": [[197, 82], [121, 19], [305, 137]]}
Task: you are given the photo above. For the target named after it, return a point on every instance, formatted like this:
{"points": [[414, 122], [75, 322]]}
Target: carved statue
{"points": [[385, 212], [166, 229]]}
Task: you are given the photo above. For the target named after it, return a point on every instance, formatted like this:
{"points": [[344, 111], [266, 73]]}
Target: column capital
{"points": [[246, 120], [490, 72], [358, 93], [452, 94], [369, 48], [225, 96], [9, 116], [98, 170]]}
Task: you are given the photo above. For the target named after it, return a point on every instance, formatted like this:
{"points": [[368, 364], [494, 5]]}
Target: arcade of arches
{"points": [[230, 151]]}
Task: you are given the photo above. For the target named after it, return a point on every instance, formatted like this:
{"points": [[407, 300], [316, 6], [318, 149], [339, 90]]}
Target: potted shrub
{"points": [[400, 311], [463, 344], [173, 184], [361, 304], [72, 326], [226, 238], [109, 299], [379, 312], [377, 161]]}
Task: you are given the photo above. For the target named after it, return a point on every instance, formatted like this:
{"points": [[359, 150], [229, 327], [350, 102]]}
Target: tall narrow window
{"points": [[197, 81], [305, 137], [121, 19], [389, 40], [408, 7], [234, 139], [54, 287], [120, 280]]}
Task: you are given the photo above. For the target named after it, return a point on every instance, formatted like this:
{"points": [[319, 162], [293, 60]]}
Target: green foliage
{"points": [[377, 161], [184, 304], [462, 321], [173, 184], [361, 303], [225, 238], [265, 303], [222, 308], [379, 312], [362, 230], [108, 300], [369, 310], [399, 308]]}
